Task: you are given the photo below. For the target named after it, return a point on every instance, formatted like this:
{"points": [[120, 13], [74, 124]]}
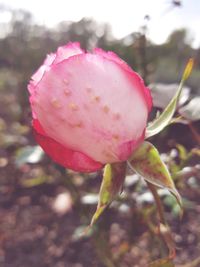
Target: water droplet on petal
{"points": [[108, 154], [116, 116], [96, 98], [55, 103], [115, 137], [66, 82], [73, 106], [67, 92], [79, 125], [106, 109]]}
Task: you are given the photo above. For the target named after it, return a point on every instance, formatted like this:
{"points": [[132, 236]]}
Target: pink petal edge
{"points": [[62, 53], [115, 58], [129, 147], [66, 51], [64, 156]]}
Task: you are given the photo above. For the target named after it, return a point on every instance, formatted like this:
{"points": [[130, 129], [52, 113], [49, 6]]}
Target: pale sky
{"points": [[124, 16]]}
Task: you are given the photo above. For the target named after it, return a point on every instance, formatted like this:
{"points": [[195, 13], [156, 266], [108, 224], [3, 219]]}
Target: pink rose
{"points": [[88, 109]]}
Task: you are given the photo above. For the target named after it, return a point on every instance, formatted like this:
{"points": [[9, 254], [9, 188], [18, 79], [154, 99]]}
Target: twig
{"points": [[158, 203]]}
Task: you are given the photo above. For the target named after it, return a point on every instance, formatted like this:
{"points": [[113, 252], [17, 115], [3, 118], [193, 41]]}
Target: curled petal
{"points": [[64, 52], [112, 56], [37, 76]]}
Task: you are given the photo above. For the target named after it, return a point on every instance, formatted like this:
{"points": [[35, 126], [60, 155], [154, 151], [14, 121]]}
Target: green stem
{"points": [[158, 202], [163, 227]]}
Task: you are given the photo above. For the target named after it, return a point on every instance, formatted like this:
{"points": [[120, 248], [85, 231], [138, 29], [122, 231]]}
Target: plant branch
{"points": [[158, 202]]}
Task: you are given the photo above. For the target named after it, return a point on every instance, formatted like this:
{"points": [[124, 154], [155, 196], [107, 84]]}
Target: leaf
{"points": [[113, 179], [183, 154], [28, 154], [162, 263], [191, 111], [35, 181], [146, 161], [163, 93], [164, 119]]}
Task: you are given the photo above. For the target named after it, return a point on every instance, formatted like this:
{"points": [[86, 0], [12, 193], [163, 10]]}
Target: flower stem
{"points": [[158, 202]]}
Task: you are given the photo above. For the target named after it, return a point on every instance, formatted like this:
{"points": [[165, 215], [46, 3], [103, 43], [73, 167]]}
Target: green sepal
{"points": [[147, 162], [112, 183], [166, 116]]}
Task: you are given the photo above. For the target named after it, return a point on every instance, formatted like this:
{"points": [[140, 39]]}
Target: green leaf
{"points": [[162, 263], [36, 181], [183, 154], [146, 161], [113, 179], [191, 111], [165, 118], [28, 154]]}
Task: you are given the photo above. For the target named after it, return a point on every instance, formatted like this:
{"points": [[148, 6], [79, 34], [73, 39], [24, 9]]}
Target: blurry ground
{"points": [[43, 209]]}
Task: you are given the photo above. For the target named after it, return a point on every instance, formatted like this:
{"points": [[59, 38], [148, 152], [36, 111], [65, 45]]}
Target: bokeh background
{"points": [[44, 207]]}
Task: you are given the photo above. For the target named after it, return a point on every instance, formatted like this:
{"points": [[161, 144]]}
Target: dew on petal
{"points": [[115, 137], [116, 116], [73, 106], [55, 103], [66, 82], [108, 154], [96, 98], [79, 125], [106, 109], [67, 92]]}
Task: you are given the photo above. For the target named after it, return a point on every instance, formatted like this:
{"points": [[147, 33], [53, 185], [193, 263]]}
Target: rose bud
{"points": [[88, 109]]}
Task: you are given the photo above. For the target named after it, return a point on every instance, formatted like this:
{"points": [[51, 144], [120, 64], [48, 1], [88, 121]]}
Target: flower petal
{"points": [[37, 76], [67, 51], [127, 148], [135, 77], [91, 104], [112, 56], [63, 52], [62, 155]]}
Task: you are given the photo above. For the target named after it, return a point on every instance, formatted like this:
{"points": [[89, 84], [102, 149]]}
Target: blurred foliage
{"points": [[44, 208]]}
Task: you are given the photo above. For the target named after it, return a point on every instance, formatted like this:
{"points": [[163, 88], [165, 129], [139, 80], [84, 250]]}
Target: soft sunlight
{"points": [[123, 16]]}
